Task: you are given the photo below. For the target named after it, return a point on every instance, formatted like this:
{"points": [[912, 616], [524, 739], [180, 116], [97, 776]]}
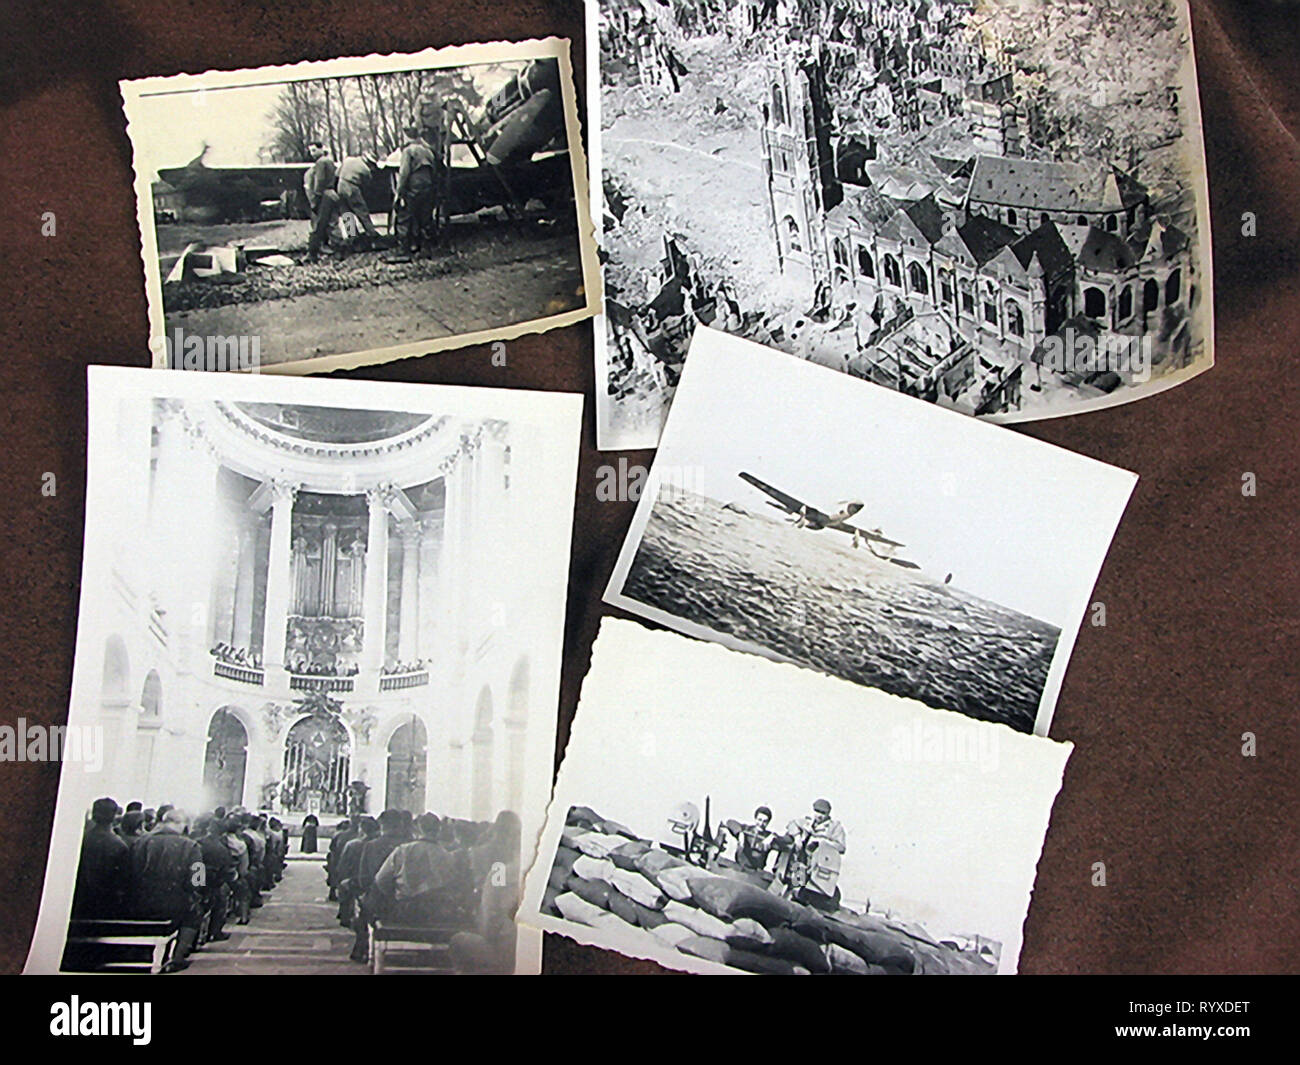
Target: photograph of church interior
{"points": [[317, 611]]}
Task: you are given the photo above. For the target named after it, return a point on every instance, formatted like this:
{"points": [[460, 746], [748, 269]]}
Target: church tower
{"points": [[799, 164]]}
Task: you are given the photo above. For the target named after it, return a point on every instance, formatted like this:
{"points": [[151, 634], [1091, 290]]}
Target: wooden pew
{"points": [[130, 945]]}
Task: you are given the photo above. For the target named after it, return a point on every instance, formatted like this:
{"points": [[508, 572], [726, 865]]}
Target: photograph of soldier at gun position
{"points": [[802, 863]]}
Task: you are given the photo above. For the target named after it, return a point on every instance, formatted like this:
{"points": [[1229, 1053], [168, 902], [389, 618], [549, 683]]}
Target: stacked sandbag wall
{"points": [[606, 877]]}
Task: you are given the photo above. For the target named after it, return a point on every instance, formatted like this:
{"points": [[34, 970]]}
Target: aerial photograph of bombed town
{"points": [[995, 205]]}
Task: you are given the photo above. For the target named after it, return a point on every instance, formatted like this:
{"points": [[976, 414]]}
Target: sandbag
{"points": [[729, 899], [576, 909], [624, 861], [698, 921], [635, 886], [548, 901], [845, 961], [613, 924], [800, 950], [876, 948], [646, 917], [652, 861], [562, 866], [621, 906], [676, 881], [753, 962], [613, 828], [705, 947], [597, 844], [633, 848], [626, 855], [583, 816], [593, 868], [670, 934], [723, 954], [748, 934], [595, 892]]}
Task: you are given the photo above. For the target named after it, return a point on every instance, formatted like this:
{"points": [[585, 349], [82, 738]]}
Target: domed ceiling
{"points": [[332, 425]]}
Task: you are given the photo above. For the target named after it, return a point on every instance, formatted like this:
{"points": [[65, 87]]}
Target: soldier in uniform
{"points": [[103, 869], [318, 183], [219, 871], [167, 877], [417, 178], [754, 841]]}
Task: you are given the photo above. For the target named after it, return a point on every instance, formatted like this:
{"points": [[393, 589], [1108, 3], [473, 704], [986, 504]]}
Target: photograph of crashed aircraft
{"points": [[347, 212], [972, 599]]}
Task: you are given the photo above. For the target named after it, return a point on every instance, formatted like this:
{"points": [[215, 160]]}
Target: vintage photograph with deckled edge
{"points": [[826, 521], [999, 206], [346, 212], [318, 662], [719, 813]]}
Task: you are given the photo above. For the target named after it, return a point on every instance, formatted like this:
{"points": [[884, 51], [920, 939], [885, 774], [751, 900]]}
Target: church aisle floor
{"points": [[295, 931]]}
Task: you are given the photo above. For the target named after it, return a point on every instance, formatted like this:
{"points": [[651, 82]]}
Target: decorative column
{"points": [[329, 557], [516, 748], [456, 791], [376, 580], [408, 633], [242, 632], [278, 574]]}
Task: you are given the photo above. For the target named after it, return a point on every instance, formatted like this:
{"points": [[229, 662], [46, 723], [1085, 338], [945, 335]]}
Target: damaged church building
{"points": [[957, 285]]}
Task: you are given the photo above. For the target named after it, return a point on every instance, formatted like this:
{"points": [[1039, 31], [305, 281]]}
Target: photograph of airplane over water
{"points": [[389, 206], [828, 522], [809, 597]]}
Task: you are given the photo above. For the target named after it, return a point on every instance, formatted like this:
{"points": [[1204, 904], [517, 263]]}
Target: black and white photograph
{"points": [[719, 813], [318, 655], [347, 212], [999, 207], [832, 523]]}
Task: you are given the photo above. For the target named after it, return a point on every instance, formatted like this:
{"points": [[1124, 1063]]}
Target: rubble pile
{"points": [[358, 270], [606, 877]]}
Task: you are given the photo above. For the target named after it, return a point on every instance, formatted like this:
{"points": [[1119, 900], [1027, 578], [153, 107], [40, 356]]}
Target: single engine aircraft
{"points": [[516, 140], [808, 517]]}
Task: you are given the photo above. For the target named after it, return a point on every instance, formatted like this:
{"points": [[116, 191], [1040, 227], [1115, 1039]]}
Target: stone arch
{"points": [[792, 233], [1150, 295], [407, 766], [317, 766], [1124, 306], [1015, 318], [917, 279], [1011, 216], [892, 272], [866, 267], [115, 685], [481, 741], [225, 758], [1173, 286], [151, 696], [840, 251], [780, 114], [1094, 302]]}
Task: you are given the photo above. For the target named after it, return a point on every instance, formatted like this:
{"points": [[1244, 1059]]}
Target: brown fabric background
{"points": [[1201, 844]]}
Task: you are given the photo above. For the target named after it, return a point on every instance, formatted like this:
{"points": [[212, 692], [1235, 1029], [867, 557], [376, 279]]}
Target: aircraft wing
{"points": [[794, 506], [844, 526]]}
